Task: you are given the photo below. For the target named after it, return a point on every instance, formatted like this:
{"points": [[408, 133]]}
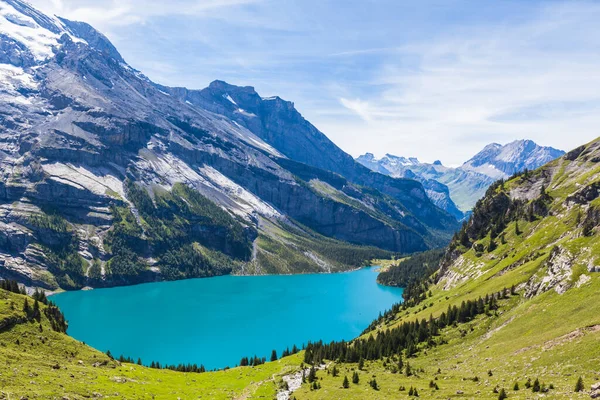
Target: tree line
{"points": [[405, 338]]}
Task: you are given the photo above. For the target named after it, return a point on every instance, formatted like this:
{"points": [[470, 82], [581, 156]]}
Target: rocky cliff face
{"points": [[92, 156]]}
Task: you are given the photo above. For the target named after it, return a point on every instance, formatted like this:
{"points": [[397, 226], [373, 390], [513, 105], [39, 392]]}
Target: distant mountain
{"points": [[500, 161], [108, 178], [412, 168], [467, 183]]}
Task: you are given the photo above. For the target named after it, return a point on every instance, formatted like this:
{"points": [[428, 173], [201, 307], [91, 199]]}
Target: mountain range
{"points": [[456, 190], [510, 311], [108, 178]]}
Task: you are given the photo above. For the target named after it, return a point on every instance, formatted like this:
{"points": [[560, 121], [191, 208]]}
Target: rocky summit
{"points": [[108, 178]]}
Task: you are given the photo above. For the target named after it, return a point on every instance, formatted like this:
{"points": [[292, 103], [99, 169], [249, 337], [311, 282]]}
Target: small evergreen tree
{"points": [[334, 371], [36, 310], [26, 308], [517, 230], [502, 394], [355, 378], [312, 374], [273, 355], [361, 364], [373, 384], [536, 385], [516, 386], [579, 385], [346, 383]]}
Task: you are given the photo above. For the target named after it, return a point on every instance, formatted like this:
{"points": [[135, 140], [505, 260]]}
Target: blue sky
{"points": [[431, 79]]}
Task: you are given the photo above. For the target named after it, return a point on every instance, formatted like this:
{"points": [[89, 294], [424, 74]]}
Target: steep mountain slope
{"points": [[467, 183], [109, 179], [279, 124]]}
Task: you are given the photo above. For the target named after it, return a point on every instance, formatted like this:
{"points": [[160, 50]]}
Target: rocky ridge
{"points": [[93, 155]]}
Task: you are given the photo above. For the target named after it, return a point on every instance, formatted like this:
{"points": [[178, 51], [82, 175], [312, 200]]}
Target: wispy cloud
{"points": [[537, 79]]}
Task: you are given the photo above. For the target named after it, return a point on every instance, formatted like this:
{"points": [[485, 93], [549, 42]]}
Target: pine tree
{"points": [[516, 387], [312, 374], [408, 371], [139, 361], [346, 383], [411, 391], [334, 371], [502, 394], [273, 355], [373, 384], [36, 309], [579, 385], [536, 385], [355, 378], [26, 308], [517, 230], [361, 364]]}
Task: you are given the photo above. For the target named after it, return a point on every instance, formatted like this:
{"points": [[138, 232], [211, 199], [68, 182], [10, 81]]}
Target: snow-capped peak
{"points": [[28, 33]]}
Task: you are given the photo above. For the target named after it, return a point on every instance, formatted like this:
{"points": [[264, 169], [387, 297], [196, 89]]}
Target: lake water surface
{"points": [[216, 321]]}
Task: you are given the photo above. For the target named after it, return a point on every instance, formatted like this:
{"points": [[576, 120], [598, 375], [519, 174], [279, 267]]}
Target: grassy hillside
{"points": [[538, 233], [40, 363]]}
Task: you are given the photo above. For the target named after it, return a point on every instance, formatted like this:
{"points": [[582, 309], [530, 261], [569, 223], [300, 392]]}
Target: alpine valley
{"points": [[110, 179]]}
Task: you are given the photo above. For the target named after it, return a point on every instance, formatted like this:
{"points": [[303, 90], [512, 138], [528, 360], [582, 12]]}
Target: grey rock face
{"points": [[77, 123]]}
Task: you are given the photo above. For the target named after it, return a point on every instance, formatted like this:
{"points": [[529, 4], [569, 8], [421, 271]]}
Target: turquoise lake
{"points": [[216, 321]]}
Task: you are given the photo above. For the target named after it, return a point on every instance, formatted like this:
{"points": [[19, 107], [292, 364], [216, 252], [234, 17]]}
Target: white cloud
{"points": [[360, 108], [539, 79]]}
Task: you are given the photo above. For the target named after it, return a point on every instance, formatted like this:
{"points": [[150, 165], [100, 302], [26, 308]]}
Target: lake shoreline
{"points": [[250, 314], [90, 288]]}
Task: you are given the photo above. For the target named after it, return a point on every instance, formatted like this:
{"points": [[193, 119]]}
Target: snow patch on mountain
{"points": [[245, 113], [228, 97], [16, 85], [25, 30]]}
